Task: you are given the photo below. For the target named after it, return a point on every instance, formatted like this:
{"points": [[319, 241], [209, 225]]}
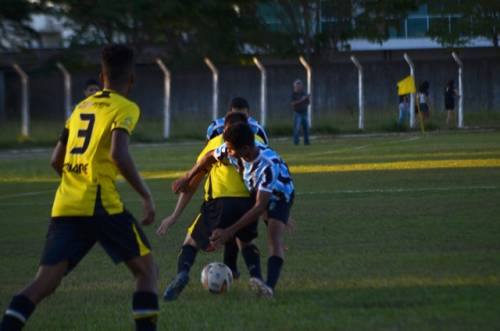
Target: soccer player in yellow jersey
{"points": [[226, 200], [87, 208]]}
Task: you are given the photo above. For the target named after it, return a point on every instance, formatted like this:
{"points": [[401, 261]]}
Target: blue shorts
{"points": [[279, 210]]}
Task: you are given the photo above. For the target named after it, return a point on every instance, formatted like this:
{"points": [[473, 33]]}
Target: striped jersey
{"points": [[217, 127], [268, 172]]}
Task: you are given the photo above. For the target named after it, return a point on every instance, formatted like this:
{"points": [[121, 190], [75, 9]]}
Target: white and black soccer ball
{"points": [[216, 277]]}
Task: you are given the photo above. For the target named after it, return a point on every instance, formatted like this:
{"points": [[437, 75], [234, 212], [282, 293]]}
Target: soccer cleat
{"points": [[236, 274], [260, 288], [176, 286]]}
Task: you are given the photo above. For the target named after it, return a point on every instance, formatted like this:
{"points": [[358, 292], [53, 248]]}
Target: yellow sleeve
{"points": [[126, 118], [210, 146]]}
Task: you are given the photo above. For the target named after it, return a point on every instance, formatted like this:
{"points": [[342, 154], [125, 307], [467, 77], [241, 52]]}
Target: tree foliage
{"points": [[226, 29], [469, 18], [15, 31]]}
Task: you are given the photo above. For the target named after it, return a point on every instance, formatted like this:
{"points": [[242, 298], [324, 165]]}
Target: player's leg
{"points": [[245, 238], [185, 261], [296, 128], [305, 128], [124, 241], [23, 304], [67, 242], [231, 257], [145, 299], [197, 237], [251, 256], [275, 231], [277, 217]]}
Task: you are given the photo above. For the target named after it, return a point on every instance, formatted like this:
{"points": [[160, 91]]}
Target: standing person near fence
{"points": [[404, 110], [300, 103], [450, 93], [91, 152], [423, 101]]}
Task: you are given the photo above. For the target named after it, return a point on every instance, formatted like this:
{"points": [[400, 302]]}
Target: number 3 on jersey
{"points": [[85, 133]]}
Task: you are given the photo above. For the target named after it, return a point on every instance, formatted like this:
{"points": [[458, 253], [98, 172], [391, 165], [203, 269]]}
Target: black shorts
{"points": [[71, 238], [222, 213], [279, 210]]}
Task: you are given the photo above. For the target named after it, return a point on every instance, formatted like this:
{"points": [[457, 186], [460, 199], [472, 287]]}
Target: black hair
{"points": [[117, 61], [239, 135], [91, 82], [451, 84], [239, 103], [235, 117], [424, 87]]}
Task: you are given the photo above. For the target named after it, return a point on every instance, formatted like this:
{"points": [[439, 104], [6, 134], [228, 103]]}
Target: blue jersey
{"points": [[268, 172], [217, 127]]}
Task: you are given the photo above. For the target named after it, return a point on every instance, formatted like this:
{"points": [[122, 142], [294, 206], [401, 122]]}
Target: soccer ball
{"points": [[216, 277]]}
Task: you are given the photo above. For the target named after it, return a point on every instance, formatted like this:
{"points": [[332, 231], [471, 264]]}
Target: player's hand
{"points": [[148, 206], [219, 237], [166, 224], [180, 185]]}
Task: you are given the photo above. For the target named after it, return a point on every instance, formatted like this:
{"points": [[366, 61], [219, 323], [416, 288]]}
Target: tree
{"points": [[15, 18], [466, 19], [187, 29], [313, 26]]}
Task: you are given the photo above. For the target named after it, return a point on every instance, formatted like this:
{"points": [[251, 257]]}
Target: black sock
{"points": [[16, 315], [145, 310], [274, 264], [231, 255], [186, 258], [251, 255]]}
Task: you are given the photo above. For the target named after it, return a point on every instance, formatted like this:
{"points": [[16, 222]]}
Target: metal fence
{"points": [[349, 93]]}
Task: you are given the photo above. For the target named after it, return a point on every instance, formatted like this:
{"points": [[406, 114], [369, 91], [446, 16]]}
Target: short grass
{"points": [[373, 250], [45, 132]]}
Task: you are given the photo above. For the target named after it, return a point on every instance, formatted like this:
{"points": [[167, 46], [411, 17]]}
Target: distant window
{"points": [[417, 27], [396, 28]]}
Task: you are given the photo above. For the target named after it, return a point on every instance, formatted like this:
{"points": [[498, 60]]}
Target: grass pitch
{"points": [[380, 244]]}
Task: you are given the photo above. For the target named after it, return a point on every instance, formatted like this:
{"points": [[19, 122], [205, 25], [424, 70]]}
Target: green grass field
{"points": [[393, 249]]}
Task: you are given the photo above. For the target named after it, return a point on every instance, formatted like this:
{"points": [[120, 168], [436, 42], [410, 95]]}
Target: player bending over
{"points": [[226, 200], [267, 178], [87, 208], [216, 127]]}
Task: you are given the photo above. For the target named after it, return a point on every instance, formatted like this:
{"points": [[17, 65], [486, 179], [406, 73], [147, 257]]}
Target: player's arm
{"points": [[57, 158], [182, 202], [202, 166], [123, 160], [220, 236]]}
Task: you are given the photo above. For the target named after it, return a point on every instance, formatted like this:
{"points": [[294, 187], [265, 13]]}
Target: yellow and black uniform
{"points": [[87, 207], [226, 200]]}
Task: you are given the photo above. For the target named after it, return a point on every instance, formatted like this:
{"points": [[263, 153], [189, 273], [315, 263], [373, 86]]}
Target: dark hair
{"points": [[240, 135], [117, 62], [239, 103], [91, 82], [424, 87], [235, 117], [450, 84]]}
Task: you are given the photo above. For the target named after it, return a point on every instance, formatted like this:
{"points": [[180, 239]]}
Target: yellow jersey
{"points": [[87, 162], [223, 181]]}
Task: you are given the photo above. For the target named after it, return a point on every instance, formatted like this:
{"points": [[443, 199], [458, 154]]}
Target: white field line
{"points": [[25, 194], [356, 148], [331, 192], [404, 190]]}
